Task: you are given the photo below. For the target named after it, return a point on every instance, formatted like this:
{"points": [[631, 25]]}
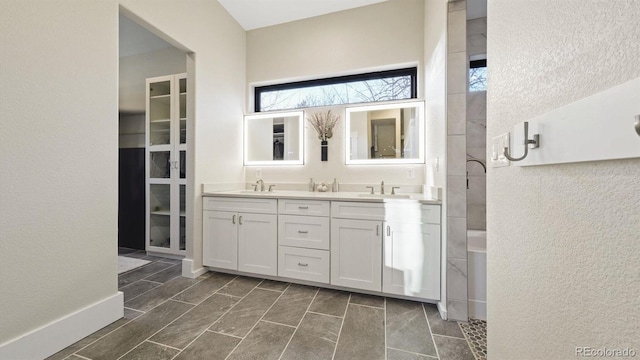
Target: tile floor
{"points": [[220, 316]]}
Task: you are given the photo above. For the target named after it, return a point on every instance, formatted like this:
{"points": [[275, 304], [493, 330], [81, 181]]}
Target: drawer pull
{"points": [[240, 220], [303, 207], [388, 230], [301, 264], [303, 232], [377, 230], [233, 219]]}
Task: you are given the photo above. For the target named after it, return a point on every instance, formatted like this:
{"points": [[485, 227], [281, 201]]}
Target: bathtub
{"points": [[477, 267]]}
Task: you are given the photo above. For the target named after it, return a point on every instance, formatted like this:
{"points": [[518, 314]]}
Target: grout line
{"points": [[412, 352], [151, 281], [318, 313], [257, 322], [450, 337], [368, 306], [220, 333], [384, 303], [221, 316], [299, 323], [335, 349], [277, 323], [80, 356], [274, 290], [424, 311], [184, 302], [161, 344]]}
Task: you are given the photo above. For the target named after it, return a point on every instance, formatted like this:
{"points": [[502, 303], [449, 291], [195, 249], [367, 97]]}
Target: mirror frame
{"points": [[270, 115], [386, 106]]}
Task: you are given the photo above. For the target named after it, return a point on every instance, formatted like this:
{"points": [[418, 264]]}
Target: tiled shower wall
{"points": [[457, 65], [477, 133]]}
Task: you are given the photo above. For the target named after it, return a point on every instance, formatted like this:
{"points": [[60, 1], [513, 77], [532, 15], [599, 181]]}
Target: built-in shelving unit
{"points": [[167, 121]]}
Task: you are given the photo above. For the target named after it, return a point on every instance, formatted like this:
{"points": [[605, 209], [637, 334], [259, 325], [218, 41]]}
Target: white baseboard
{"points": [[442, 310], [57, 335], [187, 269]]}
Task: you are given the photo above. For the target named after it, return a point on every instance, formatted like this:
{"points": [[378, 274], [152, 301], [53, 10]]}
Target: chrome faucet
{"points": [[382, 187], [484, 167], [261, 183]]}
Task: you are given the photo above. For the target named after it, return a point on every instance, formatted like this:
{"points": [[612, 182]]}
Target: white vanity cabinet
{"points": [[241, 234], [303, 239], [356, 244], [411, 259]]}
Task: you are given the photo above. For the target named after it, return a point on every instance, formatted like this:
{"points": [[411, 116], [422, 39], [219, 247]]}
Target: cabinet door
{"points": [[356, 254], [258, 243], [412, 259], [220, 239]]}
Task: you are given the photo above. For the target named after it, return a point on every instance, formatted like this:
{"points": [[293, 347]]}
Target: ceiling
{"points": [[134, 39], [253, 14]]}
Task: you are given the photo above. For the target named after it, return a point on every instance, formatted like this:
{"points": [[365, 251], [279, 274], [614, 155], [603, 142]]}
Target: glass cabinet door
{"points": [[160, 113], [160, 215]]}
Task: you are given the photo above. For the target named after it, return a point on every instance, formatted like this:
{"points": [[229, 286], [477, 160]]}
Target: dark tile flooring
{"points": [[220, 316]]}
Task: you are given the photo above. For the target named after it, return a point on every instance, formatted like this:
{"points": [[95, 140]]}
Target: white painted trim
{"points": [[442, 309], [57, 335], [189, 272]]}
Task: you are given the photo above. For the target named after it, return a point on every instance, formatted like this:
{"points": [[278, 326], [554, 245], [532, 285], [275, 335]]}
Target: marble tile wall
{"points": [[476, 123], [457, 69]]}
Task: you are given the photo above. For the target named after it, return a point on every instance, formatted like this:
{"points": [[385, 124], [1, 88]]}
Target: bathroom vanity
{"points": [[375, 244]]}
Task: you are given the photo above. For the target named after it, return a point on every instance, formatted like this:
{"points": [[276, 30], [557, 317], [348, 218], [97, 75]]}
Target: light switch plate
{"points": [[498, 144]]}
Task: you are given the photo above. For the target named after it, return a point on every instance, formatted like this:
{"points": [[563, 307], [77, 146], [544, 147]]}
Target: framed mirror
{"points": [[390, 133], [274, 138]]}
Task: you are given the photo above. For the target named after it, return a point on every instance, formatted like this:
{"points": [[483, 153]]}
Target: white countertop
{"points": [[336, 196]]}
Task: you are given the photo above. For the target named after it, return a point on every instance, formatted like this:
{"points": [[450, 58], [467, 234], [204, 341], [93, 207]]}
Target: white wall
{"points": [[59, 160], [217, 69], [356, 40], [135, 69], [563, 240]]}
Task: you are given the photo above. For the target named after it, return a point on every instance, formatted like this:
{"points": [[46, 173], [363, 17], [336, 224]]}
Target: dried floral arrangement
{"points": [[324, 123]]}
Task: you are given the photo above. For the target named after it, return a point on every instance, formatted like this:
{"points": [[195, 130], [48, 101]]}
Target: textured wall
{"points": [[563, 240], [349, 41], [59, 160]]}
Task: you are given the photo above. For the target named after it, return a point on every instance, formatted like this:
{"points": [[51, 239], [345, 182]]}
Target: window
{"points": [[362, 88], [478, 75]]}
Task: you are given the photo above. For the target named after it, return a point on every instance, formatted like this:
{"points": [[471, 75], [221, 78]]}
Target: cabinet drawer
{"points": [[303, 264], [249, 205], [357, 210], [303, 207], [412, 212], [304, 231]]}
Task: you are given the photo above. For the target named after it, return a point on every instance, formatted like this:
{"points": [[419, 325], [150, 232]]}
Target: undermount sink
{"points": [[386, 196]]}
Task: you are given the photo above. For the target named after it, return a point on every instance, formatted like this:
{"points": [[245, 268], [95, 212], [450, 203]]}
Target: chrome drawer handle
{"points": [[301, 264], [302, 232], [303, 207]]}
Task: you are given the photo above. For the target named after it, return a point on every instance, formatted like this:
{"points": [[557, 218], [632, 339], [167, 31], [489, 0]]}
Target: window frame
{"points": [[412, 72]]}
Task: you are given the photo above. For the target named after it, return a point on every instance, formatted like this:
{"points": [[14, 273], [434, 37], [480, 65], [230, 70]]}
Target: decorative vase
{"points": [[323, 150]]}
